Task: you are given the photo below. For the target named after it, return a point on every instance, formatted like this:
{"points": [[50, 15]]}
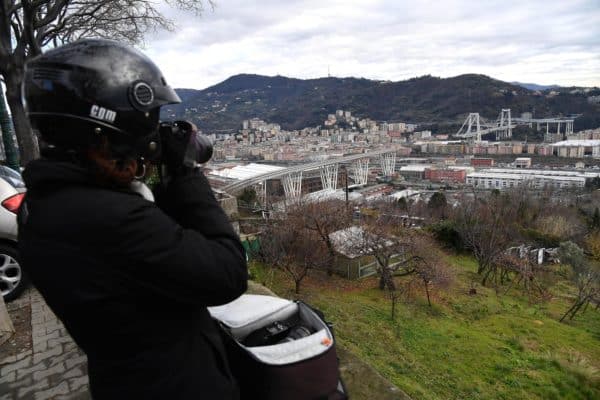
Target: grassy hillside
{"points": [[483, 346]]}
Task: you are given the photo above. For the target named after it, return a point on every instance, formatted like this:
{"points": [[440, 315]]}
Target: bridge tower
{"points": [[471, 121], [329, 176], [292, 185], [505, 125], [388, 163], [260, 189], [360, 171], [569, 128]]}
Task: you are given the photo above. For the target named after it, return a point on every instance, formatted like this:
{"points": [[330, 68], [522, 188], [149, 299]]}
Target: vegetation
{"points": [[585, 275], [485, 322], [484, 346]]}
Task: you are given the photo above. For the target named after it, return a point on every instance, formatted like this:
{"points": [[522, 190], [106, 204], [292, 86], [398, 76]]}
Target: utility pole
{"points": [[346, 183]]}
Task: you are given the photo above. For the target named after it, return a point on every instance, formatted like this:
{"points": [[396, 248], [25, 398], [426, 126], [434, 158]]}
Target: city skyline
{"points": [[541, 42]]}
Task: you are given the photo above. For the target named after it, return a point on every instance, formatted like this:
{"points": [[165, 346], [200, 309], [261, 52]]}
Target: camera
{"points": [[183, 145], [275, 333]]}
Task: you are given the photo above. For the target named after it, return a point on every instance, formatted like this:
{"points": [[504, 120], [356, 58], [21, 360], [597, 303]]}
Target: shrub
{"points": [[445, 232]]}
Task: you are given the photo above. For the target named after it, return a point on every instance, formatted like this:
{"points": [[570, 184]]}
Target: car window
{"points": [[5, 171], [15, 182]]}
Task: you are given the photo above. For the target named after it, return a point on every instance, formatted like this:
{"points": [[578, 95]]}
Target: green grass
{"points": [[483, 346]]}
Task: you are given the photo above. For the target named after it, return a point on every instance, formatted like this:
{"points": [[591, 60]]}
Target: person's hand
{"points": [[176, 140]]}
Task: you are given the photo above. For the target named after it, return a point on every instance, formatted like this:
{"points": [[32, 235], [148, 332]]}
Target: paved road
{"points": [[54, 368]]}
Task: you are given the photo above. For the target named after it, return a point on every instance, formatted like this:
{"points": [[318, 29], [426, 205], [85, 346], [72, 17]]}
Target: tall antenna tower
{"points": [[328, 73]]}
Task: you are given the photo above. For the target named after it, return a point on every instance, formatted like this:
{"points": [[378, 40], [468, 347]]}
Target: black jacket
{"points": [[131, 280]]}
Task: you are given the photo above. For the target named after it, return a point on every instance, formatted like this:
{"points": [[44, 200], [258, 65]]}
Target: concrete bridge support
{"points": [[261, 193], [569, 128], [360, 171], [505, 125], [329, 176], [292, 186], [388, 163]]}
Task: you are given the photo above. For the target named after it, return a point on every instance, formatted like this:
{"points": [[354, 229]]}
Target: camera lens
{"points": [[296, 333], [205, 149]]}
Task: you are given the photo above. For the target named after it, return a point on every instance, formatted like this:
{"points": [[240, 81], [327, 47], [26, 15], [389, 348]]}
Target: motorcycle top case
{"points": [[279, 349]]}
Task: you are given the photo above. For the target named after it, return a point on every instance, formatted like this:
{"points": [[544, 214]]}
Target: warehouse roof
{"points": [[577, 143], [496, 175], [242, 172]]}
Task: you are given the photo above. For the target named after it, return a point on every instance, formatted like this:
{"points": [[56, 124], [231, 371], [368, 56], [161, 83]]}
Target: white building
{"points": [[549, 172], [577, 148], [505, 180], [405, 194], [523, 162], [414, 171]]}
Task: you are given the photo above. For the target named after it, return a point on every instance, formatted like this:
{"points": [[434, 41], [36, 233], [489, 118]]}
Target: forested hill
{"points": [[297, 103]]}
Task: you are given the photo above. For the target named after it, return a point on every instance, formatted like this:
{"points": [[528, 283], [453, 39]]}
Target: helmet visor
{"points": [[165, 95]]}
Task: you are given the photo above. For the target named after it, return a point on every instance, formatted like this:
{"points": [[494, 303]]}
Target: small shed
{"points": [[350, 261]]}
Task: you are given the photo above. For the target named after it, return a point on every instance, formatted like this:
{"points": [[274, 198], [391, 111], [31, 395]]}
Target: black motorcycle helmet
{"points": [[96, 87]]}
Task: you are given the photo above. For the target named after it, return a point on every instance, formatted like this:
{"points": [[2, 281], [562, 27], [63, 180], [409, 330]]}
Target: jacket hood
{"points": [[41, 173], [49, 175]]}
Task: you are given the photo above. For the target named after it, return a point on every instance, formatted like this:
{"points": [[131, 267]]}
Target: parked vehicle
{"points": [[12, 177], [12, 280]]}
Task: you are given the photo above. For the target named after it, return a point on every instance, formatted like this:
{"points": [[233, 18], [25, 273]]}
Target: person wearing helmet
{"points": [[131, 279]]}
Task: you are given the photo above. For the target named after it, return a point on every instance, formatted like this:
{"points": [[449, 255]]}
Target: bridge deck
{"points": [[236, 187]]}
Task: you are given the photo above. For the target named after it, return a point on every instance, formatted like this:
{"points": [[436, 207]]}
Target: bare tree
{"points": [[428, 264], [586, 277], [27, 27], [525, 274], [485, 227], [322, 219], [288, 246], [401, 252]]}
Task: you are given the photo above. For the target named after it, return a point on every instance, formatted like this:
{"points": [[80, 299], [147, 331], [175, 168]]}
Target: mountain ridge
{"points": [[535, 86], [297, 103]]}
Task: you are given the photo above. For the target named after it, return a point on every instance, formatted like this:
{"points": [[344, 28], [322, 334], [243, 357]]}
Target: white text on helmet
{"points": [[103, 113]]}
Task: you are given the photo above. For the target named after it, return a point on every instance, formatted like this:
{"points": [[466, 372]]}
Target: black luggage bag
{"points": [[279, 349]]}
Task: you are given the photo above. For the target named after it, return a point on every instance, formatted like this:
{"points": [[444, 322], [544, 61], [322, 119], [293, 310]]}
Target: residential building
{"points": [[482, 162], [523, 162], [445, 175]]}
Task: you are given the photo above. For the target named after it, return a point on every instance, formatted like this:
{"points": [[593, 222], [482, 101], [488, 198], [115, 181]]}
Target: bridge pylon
{"points": [[292, 186], [360, 171], [388, 163], [329, 176], [261, 193], [505, 125], [471, 122]]}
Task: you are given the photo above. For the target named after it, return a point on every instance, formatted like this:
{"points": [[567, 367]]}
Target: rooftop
{"points": [[585, 143], [242, 172]]}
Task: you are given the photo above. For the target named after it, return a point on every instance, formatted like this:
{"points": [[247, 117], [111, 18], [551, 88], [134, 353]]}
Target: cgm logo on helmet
{"points": [[103, 114]]}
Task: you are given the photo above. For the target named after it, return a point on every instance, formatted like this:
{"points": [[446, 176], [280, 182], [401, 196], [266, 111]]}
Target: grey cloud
{"points": [[385, 39]]}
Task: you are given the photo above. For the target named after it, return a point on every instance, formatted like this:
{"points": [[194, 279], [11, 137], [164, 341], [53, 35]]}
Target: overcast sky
{"points": [[544, 42]]}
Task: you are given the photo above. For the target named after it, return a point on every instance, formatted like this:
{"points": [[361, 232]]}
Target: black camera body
{"points": [[276, 332], [183, 145]]}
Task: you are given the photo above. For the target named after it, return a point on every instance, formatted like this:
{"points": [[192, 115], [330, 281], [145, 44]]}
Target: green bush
{"points": [[445, 232]]}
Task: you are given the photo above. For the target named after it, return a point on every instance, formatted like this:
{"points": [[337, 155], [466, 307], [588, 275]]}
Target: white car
{"points": [[12, 281]]}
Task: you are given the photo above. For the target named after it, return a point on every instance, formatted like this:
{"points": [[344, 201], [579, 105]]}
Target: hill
{"points": [[488, 345], [535, 86], [298, 103]]}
